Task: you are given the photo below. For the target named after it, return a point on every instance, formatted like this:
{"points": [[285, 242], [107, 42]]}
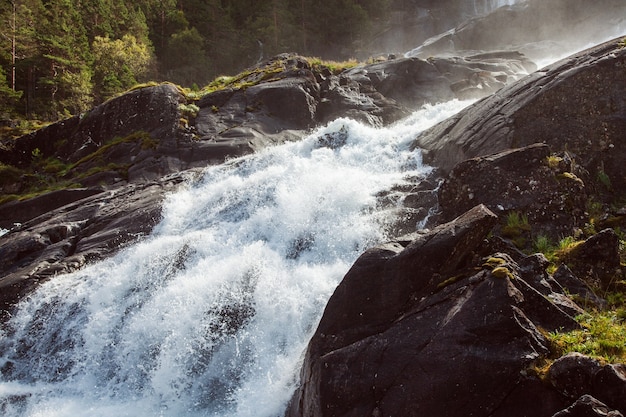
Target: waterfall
{"points": [[482, 7], [211, 313]]}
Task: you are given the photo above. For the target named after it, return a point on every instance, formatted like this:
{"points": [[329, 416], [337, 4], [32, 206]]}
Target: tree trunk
{"points": [[13, 44]]}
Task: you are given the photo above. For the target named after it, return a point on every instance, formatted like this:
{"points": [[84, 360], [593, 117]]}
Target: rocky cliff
{"points": [[455, 320]]}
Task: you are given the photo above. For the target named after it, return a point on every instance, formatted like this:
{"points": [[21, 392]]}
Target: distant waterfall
{"points": [[210, 315], [481, 7]]}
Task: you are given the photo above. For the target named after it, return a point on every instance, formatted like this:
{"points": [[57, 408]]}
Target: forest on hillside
{"points": [[61, 57]]}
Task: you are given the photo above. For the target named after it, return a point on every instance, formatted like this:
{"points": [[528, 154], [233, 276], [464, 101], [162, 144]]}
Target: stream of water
{"points": [[210, 314]]}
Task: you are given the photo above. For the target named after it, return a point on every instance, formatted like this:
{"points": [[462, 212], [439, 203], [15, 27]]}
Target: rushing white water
{"points": [[210, 315], [481, 7]]}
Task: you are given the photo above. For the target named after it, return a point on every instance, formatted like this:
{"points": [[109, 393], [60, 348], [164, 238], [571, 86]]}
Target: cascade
{"points": [[481, 7], [211, 313]]}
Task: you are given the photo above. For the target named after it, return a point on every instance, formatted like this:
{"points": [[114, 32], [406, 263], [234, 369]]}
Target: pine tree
{"points": [[65, 67], [19, 48], [8, 96]]}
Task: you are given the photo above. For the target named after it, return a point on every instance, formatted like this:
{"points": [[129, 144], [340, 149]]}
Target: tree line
{"points": [[61, 57]]}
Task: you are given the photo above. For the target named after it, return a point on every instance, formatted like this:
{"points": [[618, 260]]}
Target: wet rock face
{"points": [[594, 386], [65, 239], [450, 316], [413, 327], [538, 28], [523, 181], [453, 315], [587, 406], [577, 105]]}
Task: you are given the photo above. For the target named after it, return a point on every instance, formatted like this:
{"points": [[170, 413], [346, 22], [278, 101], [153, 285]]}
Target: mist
{"points": [[544, 30]]}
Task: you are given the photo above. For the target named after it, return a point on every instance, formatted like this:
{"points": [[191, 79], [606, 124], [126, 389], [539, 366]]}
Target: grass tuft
{"points": [[602, 336]]}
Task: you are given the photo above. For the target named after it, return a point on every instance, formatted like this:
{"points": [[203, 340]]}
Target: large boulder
{"points": [[433, 328], [86, 230], [577, 105], [579, 376], [152, 110], [524, 181]]}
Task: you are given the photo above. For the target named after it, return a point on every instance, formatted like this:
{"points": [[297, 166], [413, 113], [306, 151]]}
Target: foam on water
{"points": [[211, 314]]}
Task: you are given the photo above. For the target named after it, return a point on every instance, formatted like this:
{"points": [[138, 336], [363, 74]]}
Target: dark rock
{"points": [[587, 406], [518, 180], [414, 326], [538, 28], [65, 239], [573, 373], [609, 385], [413, 82], [596, 260], [153, 110], [576, 105], [577, 288], [22, 211]]}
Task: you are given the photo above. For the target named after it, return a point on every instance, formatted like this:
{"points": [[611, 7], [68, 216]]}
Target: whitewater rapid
{"points": [[211, 313], [481, 7]]}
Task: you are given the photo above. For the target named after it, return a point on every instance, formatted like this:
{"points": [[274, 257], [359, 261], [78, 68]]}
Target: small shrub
{"points": [[516, 225], [604, 179], [9, 174], [148, 142], [515, 219], [566, 243], [188, 111], [542, 244], [54, 165], [565, 247]]}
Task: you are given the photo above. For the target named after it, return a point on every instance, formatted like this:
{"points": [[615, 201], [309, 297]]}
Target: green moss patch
{"points": [[602, 336]]}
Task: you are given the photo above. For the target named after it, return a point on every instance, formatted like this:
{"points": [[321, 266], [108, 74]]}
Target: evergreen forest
{"points": [[61, 57]]}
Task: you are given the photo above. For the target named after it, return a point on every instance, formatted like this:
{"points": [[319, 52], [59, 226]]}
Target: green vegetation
{"points": [[604, 179], [516, 222], [272, 70], [602, 335], [554, 161], [565, 247], [334, 67], [570, 176], [59, 58], [502, 272], [49, 174], [494, 262], [188, 110], [516, 228], [603, 332], [543, 245]]}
